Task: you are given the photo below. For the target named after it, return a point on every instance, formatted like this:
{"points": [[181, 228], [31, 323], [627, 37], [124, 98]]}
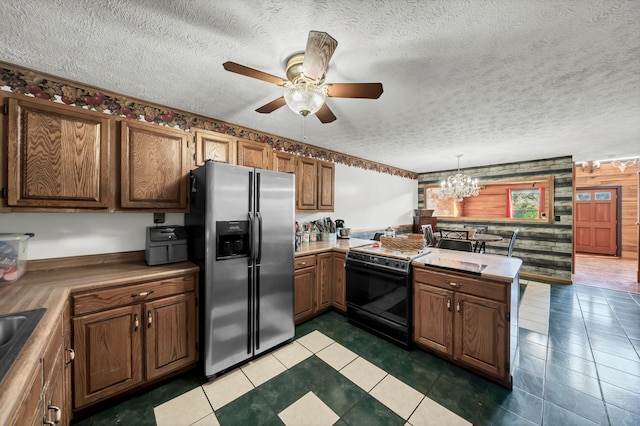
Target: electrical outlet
{"points": [[557, 218], [158, 218]]}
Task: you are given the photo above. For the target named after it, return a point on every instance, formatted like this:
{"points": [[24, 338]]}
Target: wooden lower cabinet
{"points": [[48, 398], [339, 288], [465, 320], [304, 288], [136, 334], [324, 281]]}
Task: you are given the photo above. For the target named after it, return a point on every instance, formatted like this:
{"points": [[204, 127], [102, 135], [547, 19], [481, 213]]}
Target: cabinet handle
{"points": [[458, 307], [58, 412], [136, 323], [149, 319], [303, 263], [452, 284], [47, 422], [72, 353], [143, 294], [449, 305]]}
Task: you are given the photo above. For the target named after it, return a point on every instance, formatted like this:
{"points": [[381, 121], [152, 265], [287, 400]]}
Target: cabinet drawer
{"points": [[305, 261], [462, 284], [108, 298]]}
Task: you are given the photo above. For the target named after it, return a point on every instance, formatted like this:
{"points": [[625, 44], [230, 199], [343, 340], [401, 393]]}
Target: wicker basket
{"points": [[395, 243]]}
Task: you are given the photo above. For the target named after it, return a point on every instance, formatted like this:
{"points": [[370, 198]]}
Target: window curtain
{"points": [[509, 213]]}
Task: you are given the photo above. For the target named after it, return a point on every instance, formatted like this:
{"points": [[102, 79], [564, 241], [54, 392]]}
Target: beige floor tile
{"points": [[542, 312], [308, 410], [401, 398], [227, 388], [185, 410], [263, 369], [292, 354], [537, 317], [363, 373], [336, 356], [430, 413], [210, 420], [534, 326], [315, 341]]}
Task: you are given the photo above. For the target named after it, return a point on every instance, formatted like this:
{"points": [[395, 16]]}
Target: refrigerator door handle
{"points": [[249, 319], [257, 305], [259, 256]]}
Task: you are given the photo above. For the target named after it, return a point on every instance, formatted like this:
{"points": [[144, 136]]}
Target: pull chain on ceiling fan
{"points": [[305, 92]]}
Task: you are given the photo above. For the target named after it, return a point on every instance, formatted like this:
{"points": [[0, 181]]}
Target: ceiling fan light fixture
{"points": [[304, 98]]}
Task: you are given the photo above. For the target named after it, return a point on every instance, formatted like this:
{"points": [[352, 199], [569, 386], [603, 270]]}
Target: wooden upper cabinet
{"points": [[253, 154], [326, 173], [307, 184], [214, 146], [283, 162], [58, 156], [154, 167]]}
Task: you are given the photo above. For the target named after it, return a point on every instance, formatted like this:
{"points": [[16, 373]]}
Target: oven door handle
{"points": [[370, 267]]}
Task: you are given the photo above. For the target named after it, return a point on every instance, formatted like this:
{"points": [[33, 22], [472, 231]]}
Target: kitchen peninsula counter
{"points": [[340, 245]]}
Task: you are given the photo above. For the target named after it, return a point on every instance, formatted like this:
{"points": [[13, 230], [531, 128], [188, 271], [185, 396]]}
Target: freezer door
{"points": [[275, 220], [228, 305]]}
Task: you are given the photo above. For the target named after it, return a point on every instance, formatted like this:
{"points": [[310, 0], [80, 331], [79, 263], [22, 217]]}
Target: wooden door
{"points": [[481, 334], [324, 276], [433, 324], [170, 325], [58, 156], [339, 282], [155, 167], [304, 285], [108, 353], [283, 162], [253, 154], [307, 184], [596, 220], [214, 146], [326, 173]]}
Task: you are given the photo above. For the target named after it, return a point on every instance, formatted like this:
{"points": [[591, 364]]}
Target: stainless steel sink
{"points": [[15, 330]]}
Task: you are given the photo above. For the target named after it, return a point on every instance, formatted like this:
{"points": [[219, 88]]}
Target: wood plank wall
{"points": [[545, 248], [611, 176]]}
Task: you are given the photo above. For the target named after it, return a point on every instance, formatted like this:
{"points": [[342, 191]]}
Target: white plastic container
{"points": [[13, 256]]}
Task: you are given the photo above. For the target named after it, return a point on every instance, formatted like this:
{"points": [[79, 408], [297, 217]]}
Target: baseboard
{"points": [[544, 278]]}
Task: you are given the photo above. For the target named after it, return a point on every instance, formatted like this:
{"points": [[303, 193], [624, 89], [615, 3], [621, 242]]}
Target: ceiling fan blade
{"points": [[320, 48], [355, 90], [272, 106], [325, 115], [253, 73]]}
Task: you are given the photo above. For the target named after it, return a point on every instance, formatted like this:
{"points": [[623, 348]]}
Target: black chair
{"points": [[427, 231], [455, 244], [377, 236], [455, 234], [512, 242]]}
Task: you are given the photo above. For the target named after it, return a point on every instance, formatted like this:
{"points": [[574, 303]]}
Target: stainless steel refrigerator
{"points": [[241, 235]]}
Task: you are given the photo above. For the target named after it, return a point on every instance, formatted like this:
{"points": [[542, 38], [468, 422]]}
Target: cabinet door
{"points": [[253, 154], [55, 397], [155, 167], [283, 162], [108, 353], [170, 334], [58, 156], [433, 318], [214, 146], [306, 184], [480, 330], [326, 172], [304, 286], [324, 283], [339, 282]]}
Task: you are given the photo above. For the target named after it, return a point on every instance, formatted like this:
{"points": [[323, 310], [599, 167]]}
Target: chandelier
{"points": [[304, 98], [459, 186]]}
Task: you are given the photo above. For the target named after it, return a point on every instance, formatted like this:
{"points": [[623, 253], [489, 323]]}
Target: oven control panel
{"points": [[375, 260]]}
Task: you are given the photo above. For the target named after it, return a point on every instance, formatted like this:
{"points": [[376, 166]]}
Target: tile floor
{"points": [[578, 363]]}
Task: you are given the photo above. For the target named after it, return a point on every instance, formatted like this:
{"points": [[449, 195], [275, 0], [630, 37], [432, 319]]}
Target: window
{"points": [[583, 196], [603, 196], [525, 203]]}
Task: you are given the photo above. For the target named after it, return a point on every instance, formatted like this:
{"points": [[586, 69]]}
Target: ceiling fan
{"points": [[305, 91]]}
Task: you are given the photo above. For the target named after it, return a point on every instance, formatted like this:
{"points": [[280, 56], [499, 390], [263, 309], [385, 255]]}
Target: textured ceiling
{"points": [[497, 81]]}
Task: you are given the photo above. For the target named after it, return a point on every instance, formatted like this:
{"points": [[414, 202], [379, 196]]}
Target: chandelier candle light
{"points": [[459, 185]]}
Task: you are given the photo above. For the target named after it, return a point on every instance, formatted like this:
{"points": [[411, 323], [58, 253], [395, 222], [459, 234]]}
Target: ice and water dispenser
{"points": [[232, 239]]}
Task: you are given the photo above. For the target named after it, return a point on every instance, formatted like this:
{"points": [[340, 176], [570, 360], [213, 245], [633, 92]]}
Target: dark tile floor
{"points": [[585, 371]]}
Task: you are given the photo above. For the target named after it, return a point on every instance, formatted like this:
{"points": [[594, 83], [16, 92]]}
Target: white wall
{"points": [[366, 199], [363, 199]]}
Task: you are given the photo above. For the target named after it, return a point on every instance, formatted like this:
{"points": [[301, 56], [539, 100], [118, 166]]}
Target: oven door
{"points": [[379, 299]]}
